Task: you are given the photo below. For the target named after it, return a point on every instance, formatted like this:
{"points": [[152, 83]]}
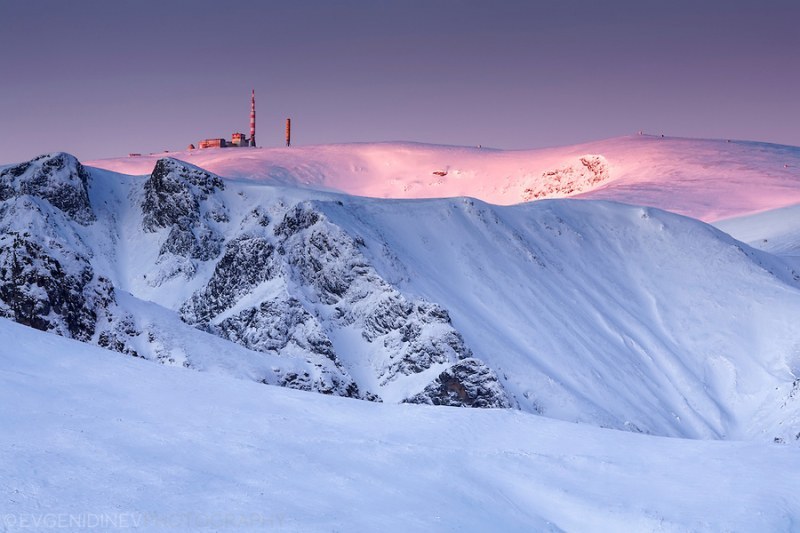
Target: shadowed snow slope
{"points": [[625, 316], [705, 179], [106, 441]]}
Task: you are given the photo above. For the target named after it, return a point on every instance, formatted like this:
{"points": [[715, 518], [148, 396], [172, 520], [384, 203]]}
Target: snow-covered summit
{"points": [[58, 178], [705, 179]]}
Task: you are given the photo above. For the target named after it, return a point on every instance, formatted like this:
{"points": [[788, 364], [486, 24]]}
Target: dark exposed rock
{"points": [[180, 197], [322, 281], [57, 178], [48, 293], [322, 256], [260, 216], [328, 384], [200, 243], [273, 325], [468, 383], [118, 337], [298, 218], [247, 262], [173, 193], [415, 335]]}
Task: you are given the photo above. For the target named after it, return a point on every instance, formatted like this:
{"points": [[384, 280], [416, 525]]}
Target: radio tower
{"points": [[253, 119]]}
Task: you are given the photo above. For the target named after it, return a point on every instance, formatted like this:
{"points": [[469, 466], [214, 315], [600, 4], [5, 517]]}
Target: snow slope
{"points": [[596, 312], [705, 179], [776, 231], [95, 440], [623, 316]]}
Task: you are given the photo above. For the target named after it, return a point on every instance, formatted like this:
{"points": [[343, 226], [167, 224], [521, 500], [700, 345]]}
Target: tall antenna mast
{"points": [[253, 119]]}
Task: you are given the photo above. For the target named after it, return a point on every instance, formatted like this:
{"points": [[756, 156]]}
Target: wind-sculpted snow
{"points": [[101, 442]]}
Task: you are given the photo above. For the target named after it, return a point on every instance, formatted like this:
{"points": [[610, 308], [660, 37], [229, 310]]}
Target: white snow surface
{"points": [[596, 312], [94, 440], [705, 179], [615, 316]]}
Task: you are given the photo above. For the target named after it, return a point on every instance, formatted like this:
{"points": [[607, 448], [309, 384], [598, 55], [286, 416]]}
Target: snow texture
{"points": [[104, 442], [595, 312], [705, 179]]}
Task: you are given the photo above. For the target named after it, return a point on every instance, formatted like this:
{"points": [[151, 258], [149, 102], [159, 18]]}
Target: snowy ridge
{"points": [[705, 179], [596, 312]]}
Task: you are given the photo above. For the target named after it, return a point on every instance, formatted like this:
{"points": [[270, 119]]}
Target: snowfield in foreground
{"points": [[95, 437]]}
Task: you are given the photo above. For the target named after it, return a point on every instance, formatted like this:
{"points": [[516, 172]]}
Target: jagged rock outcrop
{"points": [[283, 326], [416, 335], [57, 178], [55, 292], [275, 324], [182, 198], [413, 335], [285, 283], [315, 280], [468, 383], [174, 192], [47, 277], [247, 262]]}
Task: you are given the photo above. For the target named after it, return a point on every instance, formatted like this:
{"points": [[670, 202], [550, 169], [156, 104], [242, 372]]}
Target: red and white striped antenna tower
{"points": [[253, 119]]}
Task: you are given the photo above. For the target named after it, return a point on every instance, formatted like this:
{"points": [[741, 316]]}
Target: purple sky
{"points": [[102, 78]]}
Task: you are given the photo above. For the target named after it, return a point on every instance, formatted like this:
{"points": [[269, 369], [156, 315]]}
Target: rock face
{"points": [[247, 262], [173, 195], [182, 198], [468, 383], [282, 280], [47, 280], [313, 282], [408, 335], [277, 323], [50, 293], [56, 178]]}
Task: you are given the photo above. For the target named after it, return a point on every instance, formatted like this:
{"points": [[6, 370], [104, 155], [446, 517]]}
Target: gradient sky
{"points": [[102, 78]]}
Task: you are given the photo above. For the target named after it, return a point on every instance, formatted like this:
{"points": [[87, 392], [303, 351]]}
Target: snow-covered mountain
{"points": [[263, 272], [618, 316], [705, 179]]}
